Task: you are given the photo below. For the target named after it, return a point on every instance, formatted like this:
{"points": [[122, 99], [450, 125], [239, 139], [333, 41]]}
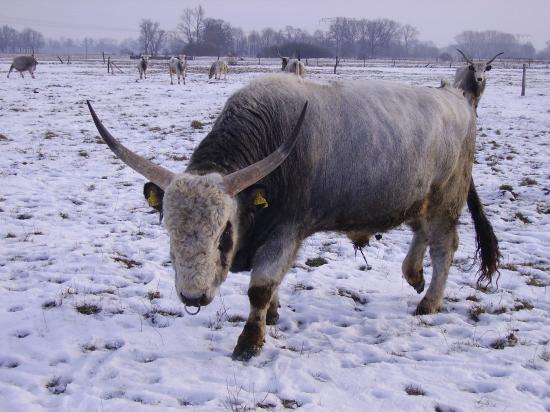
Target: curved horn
{"points": [[490, 61], [238, 181], [279, 53], [465, 58], [156, 174]]}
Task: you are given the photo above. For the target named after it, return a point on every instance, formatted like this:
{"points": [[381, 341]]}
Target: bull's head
{"points": [[284, 60], [479, 69], [201, 213]]}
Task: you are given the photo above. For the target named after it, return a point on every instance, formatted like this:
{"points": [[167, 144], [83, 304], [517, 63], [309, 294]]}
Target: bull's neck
{"points": [[224, 152]]}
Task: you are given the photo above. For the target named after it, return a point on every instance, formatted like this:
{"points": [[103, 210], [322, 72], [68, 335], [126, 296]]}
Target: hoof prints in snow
{"points": [[89, 310]]}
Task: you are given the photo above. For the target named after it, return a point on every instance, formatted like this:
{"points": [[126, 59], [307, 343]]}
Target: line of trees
{"points": [[197, 34], [25, 41]]}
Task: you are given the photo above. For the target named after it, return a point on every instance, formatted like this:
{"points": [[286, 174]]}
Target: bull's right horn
{"points": [[465, 58], [238, 181], [490, 61], [156, 174]]}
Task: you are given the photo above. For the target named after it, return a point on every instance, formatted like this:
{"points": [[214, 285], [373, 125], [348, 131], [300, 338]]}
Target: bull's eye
{"points": [[226, 243]]}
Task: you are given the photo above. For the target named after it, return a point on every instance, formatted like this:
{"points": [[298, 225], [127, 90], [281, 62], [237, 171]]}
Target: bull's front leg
{"points": [[412, 265], [270, 264]]}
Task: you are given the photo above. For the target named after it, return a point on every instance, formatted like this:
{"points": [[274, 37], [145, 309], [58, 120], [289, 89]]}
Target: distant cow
{"points": [[367, 157], [142, 66], [177, 65], [294, 66], [217, 69], [24, 64], [472, 79]]}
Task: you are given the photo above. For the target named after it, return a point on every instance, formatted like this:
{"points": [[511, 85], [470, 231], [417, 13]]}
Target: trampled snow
{"points": [[89, 320]]}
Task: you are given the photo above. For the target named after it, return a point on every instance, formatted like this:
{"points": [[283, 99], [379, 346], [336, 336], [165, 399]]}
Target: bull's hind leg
{"points": [[412, 266], [270, 264], [11, 68], [443, 241]]}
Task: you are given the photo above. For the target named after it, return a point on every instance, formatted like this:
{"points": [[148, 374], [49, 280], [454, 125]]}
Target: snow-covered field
{"points": [[89, 320]]}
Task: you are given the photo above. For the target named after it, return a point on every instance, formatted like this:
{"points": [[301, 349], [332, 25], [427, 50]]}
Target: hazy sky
{"points": [[437, 20]]}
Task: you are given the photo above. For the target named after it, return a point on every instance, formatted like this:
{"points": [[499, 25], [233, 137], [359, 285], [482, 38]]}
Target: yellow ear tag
{"points": [[259, 200], [153, 200]]}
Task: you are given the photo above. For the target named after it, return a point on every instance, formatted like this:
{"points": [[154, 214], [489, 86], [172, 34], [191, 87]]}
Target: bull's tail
{"points": [[486, 241]]}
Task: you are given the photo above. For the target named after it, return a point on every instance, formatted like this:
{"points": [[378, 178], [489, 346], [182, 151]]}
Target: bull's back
{"points": [[23, 62], [375, 146]]}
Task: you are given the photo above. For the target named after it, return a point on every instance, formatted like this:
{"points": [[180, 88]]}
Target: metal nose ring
{"points": [[192, 313]]}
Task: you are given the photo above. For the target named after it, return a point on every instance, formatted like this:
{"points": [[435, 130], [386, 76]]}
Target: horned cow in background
{"points": [[177, 65], [142, 66], [294, 66], [218, 68], [24, 64], [239, 205], [472, 79]]}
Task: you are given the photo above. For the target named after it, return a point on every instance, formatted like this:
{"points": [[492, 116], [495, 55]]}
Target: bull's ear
{"points": [[154, 196], [471, 67], [488, 67]]}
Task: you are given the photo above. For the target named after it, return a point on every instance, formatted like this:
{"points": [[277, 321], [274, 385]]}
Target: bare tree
{"points": [[380, 33], [158, 41], [151, 37], [8, 39], [409, 34], [30, 40], [191, 24], [485, 44], [198, 22], [342, 32], [185, 26], [87, 43]]}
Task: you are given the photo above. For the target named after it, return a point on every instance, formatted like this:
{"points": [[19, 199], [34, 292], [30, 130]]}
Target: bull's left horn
{"points": [[465, 58], [241, 179], [155, 173], [490, 61]]}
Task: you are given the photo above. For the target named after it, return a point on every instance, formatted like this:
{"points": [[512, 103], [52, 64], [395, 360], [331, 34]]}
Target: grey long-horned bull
{"points": [[23, 64], [363, 158], [472, 79]]}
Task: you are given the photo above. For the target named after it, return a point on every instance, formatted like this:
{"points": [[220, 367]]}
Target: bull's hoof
{"points": [[426, 307], [244, 352], [272, 318]]}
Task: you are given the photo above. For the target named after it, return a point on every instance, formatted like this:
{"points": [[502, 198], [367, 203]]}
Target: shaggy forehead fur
{"points": [[196, 210]]}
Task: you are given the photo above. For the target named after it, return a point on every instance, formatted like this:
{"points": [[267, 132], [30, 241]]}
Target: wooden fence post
{"points": [[523, 80], [103, 53], [336, 64], [108, 64]]}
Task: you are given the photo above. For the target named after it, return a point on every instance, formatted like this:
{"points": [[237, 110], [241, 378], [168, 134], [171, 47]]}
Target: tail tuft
{"points": [[487, 243]]}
